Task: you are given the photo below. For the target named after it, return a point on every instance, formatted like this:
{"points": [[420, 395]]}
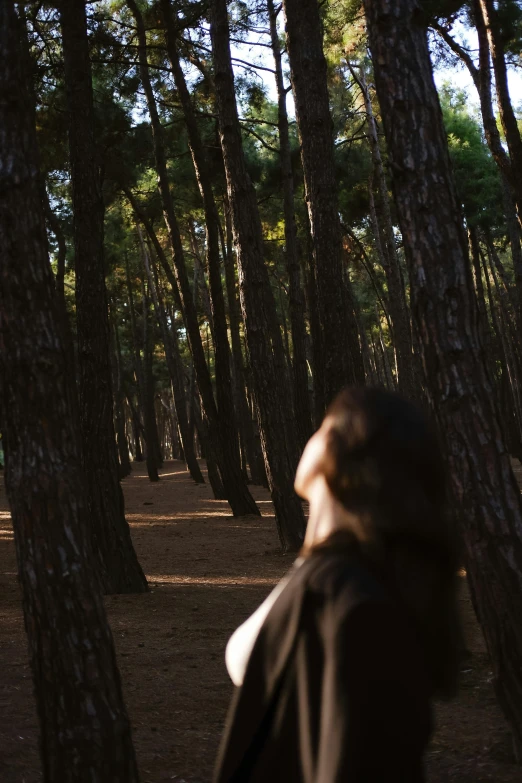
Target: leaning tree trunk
{"points": [[492, 22], [84, 729], [341, 355], [223, 441], [484, 488], [265, 347], [303, 413], [118, 565]]}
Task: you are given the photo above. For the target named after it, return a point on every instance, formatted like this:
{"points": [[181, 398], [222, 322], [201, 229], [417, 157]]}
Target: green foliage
{"points": [[476, 174]]}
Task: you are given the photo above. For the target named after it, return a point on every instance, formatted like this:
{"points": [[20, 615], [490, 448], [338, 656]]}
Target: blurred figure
{"points": [[337, 669]]}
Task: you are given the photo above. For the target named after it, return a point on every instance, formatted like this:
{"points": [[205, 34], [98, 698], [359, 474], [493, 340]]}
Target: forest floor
{"points": [[207, 572]]}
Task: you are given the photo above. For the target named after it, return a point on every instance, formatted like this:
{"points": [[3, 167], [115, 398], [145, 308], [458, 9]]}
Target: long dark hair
{"points": [[384, 464]]}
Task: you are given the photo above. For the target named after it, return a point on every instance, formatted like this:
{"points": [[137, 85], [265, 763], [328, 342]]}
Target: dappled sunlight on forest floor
{"points": [[207, 572]]}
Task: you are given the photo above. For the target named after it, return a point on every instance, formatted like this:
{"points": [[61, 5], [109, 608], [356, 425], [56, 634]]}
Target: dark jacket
{"points": [[335, 689]]}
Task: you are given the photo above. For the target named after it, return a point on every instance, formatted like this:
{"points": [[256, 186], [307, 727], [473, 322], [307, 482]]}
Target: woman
{"points": [[336, 671]]}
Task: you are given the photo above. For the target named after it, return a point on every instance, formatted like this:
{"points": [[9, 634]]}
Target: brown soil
{"points": [[207, 572]]}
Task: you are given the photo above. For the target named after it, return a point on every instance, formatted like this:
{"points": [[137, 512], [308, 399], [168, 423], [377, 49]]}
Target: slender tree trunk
{"points": [[484, 488], [118, 564], [149, 412], [317, 340], [388, 254], [56, 228], [251, 436], [510, 411], [508, 118], [271, 384], [136, 429], [84, 729], [303, 413], [513, 232], [341, 360], [224, 441], [483, 82], [174, 366], [119, 399], [224, 390], [152, 467]]}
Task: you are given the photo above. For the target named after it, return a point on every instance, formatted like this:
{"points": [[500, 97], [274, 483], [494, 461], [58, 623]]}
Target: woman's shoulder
{"points": [[345, 576]]}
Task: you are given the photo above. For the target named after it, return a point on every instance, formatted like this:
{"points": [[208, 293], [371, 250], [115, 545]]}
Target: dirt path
{"points": [[207, 573]]}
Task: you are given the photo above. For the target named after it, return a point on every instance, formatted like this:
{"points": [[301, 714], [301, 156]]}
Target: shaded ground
{"points": [[207, 573]]}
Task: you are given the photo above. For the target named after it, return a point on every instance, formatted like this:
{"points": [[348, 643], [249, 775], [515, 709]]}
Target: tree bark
{"points": [[341, 359], [118, 565], [484, 489], [224, 441], [303, 413], [84, 729], [270, 381]]}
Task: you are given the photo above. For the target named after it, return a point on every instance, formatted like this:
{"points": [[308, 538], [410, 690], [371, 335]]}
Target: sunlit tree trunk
{"points": [[84, 729]]}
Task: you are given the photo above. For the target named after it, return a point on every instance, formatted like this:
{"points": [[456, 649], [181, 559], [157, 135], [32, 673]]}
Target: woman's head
{"points": [[379, 458], [377, 453]]}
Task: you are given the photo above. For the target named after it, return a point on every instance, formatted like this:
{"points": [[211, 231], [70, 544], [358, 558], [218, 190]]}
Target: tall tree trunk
{"points": [[149, 411], [136, 430], [513, 232], [508, 119], [152, 467], [119, 399], [389, 259], [174, 367], [224, 390], [303, 413], [224, 441], [341, 357], [84, 729], [483, 485], [271, 384], [118, 565], [249, 426], [482, 80]]}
